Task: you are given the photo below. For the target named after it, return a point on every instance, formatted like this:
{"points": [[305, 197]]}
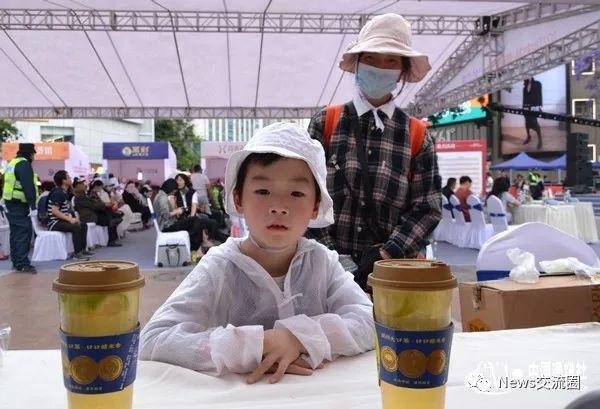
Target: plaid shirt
{"points": [[407, 211]]}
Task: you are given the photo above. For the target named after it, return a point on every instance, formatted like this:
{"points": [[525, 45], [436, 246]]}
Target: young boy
{"points": [[274, 301]]}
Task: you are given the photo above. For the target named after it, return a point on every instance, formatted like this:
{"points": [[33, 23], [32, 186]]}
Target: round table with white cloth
{"points": [[576, 219], [561, 361]]}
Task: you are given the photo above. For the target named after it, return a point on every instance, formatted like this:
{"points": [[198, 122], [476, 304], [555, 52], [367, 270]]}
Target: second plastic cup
{"points": [[98, 305], [411, 300]]}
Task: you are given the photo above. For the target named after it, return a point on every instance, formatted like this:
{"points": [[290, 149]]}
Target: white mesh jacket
{"points": [[215, 320]]}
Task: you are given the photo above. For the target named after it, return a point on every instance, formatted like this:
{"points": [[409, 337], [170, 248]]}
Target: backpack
{"points": [[416, 130], [42, 209], [172, 255]]}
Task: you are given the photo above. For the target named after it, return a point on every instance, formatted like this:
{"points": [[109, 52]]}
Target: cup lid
{"points": [[98, 276], [412, 274]]}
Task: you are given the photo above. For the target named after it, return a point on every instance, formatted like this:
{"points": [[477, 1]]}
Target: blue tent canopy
{"points": [[522, 162], [558, 163], [561, 163]]}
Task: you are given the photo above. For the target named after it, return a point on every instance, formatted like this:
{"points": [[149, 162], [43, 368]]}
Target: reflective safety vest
{"points": [[12, 187], [533, 178]]}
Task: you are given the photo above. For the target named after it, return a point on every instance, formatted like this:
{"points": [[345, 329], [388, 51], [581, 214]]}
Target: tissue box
{"points": [[504, 304]]}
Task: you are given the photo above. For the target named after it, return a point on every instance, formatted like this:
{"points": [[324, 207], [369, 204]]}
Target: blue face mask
{"points": [[376, 82]]}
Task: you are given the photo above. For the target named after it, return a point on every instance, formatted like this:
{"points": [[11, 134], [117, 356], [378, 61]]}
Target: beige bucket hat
{"points": [[387, 34]]}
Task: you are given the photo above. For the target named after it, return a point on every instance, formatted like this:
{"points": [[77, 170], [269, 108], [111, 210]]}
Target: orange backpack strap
{"points": [[332, 117], [416, 129]]}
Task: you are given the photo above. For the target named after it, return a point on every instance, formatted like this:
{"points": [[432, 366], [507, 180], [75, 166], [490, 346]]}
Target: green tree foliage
{"points": [[181, 134], [7, 130]]}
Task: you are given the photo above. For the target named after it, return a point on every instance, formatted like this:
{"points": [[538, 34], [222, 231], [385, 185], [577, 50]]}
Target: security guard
{"points": [[20, 195]]}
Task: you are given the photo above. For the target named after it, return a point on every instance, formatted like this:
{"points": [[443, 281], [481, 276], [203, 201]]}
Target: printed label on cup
{"points": [[413, 359], [95, 365]]}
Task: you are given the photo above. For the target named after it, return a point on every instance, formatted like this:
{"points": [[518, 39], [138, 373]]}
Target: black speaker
{"points": [[579, 167]]}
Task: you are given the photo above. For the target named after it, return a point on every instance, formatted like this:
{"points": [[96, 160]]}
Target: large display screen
{"points": [[467, 111], [543, 92]]}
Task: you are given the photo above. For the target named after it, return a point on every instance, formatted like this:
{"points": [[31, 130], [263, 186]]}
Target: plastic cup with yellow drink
{"points": [[99, 331], [411, 302]]}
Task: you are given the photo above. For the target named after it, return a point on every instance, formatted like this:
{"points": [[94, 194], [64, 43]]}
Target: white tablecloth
{"points": [[33, 379], [586, 222], [576, 219]]}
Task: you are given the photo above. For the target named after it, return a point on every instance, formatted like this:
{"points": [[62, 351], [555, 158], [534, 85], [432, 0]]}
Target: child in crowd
{"points": [[274, 301]]}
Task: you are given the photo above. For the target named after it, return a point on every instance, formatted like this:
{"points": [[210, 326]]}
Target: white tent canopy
{"points": [[150, 58]]}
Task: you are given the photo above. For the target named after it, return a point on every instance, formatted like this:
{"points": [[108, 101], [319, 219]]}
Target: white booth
{"points": [[154, 161]]}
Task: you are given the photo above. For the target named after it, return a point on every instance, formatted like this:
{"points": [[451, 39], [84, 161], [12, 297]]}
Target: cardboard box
{"points": [[504, 304]]}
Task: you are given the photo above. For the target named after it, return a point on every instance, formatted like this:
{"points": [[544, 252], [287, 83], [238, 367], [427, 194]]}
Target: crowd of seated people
{"points": [[68, 205]]}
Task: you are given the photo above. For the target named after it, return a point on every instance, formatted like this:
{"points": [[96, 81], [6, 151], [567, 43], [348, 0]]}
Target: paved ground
{"points": [[29, 306], [137, 246]]}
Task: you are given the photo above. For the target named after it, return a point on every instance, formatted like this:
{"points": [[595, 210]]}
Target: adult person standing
{"points": [[200, 182], [382, 168], [20, 194]]}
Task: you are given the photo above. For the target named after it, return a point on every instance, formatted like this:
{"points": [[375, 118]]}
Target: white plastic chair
{"points": [[443, 231], [479, 231], [136, 222], [96, 235], [181, 237], [5, 238], [50, 245], [461, 227], [497, 214], [90, 239], [542, 240], [4, 230]]}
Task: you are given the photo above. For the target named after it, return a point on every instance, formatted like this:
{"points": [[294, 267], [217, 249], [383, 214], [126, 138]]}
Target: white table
{"points": [[33, 379], [576, 219]]}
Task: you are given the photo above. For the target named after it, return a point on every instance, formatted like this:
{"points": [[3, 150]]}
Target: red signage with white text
{"points": [[463, 158]]}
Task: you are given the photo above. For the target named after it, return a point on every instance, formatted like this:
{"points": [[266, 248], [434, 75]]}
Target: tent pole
{"points": [[559, 175]]}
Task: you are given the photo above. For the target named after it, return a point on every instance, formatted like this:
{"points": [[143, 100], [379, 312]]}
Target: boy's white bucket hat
{"points": [[387, 34], [291, 141]]}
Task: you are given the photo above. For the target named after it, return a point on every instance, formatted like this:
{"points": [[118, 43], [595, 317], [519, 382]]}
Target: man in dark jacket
{"points": [[93, 210], [20, 194]]}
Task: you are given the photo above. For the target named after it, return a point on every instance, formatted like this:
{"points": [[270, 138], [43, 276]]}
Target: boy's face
{"points": [[278, 201]]}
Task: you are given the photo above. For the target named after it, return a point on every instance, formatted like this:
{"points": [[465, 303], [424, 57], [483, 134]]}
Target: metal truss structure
{"points": [[482, 33], [538, 13], [492, 41], [546, 115], [582, 42], [218, 22], [155, 112]]}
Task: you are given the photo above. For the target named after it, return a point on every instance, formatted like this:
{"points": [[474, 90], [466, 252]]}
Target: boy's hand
{"points": [[280, 349], [299, 367]]}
